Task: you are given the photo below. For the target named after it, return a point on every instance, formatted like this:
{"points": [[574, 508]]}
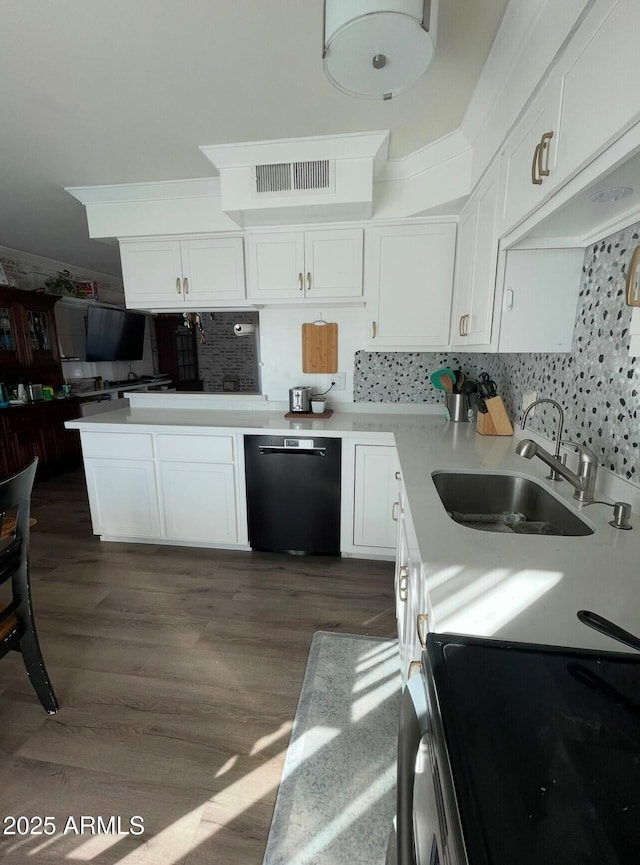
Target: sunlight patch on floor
{"points": [[265, 741]]}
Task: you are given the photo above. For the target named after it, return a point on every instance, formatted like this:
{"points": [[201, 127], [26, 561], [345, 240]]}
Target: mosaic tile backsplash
{"points": [[597, 383]]}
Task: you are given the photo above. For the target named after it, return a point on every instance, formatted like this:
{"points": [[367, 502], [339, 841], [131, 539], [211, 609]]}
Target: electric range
{"points": [[518, 753], [529, 754]]}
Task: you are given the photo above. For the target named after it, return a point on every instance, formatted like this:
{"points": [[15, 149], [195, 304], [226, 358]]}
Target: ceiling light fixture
{"points": [[376, 49]]}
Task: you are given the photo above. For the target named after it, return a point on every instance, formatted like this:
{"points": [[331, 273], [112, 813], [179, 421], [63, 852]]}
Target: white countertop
{"points": [[517, 587]]}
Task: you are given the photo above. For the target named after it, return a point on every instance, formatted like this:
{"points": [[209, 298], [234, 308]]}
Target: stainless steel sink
{"points": [[505, 503]]}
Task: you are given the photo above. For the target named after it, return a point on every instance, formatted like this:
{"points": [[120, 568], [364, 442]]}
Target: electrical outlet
{"points": [[338, 380], [528, 397]]}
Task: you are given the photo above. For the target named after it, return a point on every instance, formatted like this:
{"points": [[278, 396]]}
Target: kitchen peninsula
{"points": [[161, 475]]}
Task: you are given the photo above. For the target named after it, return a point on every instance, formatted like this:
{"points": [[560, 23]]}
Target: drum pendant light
{"points": [[375, 49]]}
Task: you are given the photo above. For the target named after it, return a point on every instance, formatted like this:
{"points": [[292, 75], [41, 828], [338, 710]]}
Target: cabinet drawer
{"points": [[195, 448], [118, 445]]}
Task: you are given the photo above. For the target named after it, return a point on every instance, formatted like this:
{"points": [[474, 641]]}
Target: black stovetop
{"points": [[544, 744]]}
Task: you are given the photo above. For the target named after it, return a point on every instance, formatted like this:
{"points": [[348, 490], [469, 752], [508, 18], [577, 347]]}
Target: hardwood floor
{"points": [[178, 672]]}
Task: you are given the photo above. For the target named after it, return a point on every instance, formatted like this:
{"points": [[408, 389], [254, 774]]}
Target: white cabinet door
{"points": [[152, 273], [401, 583], [476, 268], [275, 266], [376, 491], [333, 263], [310, 265], [213, 269], [411, 597], [415, 626], [175, 274], [530, 151], [539, 303], [465, 258], [410, 271], [123, 497], [601, 85], [199, 502]]}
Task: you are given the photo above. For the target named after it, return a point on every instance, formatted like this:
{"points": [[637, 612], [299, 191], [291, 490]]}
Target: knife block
{"points": [[495, 422]]}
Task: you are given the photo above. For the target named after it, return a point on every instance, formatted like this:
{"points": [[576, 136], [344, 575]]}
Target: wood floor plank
{"points": [[178, 672]]}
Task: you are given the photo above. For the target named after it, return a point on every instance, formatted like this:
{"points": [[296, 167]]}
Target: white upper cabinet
{"points": [[588, 102], [476, 265], [540, 296], [601, 82], [410, 284], [197, 273], [305, 265], [530, 156]]}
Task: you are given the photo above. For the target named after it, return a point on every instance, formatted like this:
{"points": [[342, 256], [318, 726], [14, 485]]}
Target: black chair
{"points": [[17, 628]]}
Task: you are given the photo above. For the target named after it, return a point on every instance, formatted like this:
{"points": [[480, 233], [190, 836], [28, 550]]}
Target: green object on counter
{"points": [[435, 377]]}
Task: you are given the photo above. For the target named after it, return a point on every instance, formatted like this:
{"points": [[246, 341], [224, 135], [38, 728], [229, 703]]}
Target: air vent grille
{"points": [[273, 178], [311, 175], [292, 177]]}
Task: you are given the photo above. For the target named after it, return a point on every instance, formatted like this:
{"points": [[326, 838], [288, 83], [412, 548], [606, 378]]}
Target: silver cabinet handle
{"points": [[308, 281], [421, 619], [300, 286], [535, 179], [463, 327], [373, 330], [185, 282], [394, 511], [460, 330], [544, 152], [178, 285], [403, 583]]}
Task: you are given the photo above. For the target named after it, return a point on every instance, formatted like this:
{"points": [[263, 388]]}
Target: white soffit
{"points": [[347, 165]]}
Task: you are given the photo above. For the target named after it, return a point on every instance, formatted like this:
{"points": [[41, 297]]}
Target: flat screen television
{"points": [[114, 334]]}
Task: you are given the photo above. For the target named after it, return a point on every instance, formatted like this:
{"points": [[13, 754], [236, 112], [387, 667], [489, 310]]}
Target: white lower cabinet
{"points": [[123, 497], [369, 499], [166, 487], [199, 502], [411, 596], [376, 493]]}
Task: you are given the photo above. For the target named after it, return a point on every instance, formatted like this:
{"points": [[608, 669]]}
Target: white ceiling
{"points": [[117, 91]]}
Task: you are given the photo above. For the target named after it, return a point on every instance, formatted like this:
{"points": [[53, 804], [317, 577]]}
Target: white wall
{"points": [[281, 348]]}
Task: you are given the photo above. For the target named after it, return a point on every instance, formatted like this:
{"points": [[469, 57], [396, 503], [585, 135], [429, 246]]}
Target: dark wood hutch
{"points": [[29, 355]]}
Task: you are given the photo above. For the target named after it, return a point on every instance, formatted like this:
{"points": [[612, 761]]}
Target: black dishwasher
{"points": [[293, 494]]}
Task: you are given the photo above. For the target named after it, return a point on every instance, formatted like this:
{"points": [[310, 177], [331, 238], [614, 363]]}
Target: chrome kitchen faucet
{"points": [[554, 474]]}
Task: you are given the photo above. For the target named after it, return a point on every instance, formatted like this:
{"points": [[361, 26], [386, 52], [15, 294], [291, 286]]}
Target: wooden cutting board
{"points": [[320, 347]]}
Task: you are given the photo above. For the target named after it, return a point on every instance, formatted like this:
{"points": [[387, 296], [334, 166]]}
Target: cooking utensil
{"points": [[608, 628], [447, 382], [486, 386], [437, 375], [458, 380], [479, 402]]}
